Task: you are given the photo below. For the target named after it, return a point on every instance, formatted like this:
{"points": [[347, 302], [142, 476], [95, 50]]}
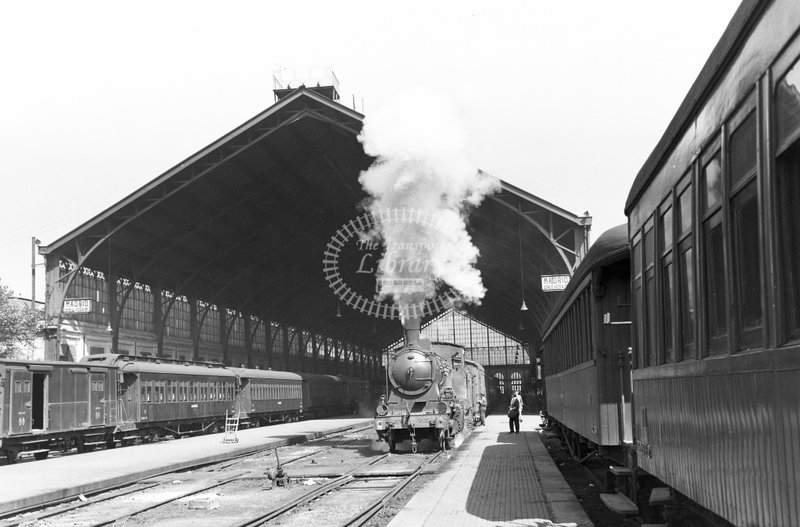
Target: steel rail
{"points": [[378, 504], [97, 498], [309, 496], [165, 501], [83, 503]]}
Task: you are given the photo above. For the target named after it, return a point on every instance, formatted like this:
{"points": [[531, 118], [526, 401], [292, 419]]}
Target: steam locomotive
{"points": [[431, 392]]}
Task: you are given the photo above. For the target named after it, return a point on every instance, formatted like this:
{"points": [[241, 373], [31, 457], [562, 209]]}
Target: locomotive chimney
{"points": [[411, 329]]}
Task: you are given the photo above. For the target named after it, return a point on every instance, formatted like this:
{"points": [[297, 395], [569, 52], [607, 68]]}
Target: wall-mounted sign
{"points": [[78, 305], [554, 282]]}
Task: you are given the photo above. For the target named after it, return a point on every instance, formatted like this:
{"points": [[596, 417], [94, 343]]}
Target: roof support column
{"points": [[286, 347], [114, 320], [248, 341], [315, 353], [194, 327], [159, 316], [301, 350], [53, 302], [271, 333], [223, 333]]}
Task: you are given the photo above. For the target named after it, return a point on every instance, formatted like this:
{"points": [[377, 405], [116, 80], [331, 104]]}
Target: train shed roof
{"points": [[244, 223]]}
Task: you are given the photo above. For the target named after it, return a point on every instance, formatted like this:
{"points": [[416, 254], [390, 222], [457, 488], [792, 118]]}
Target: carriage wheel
{"points": [[77, 443], [12, 456], [40, 455]]}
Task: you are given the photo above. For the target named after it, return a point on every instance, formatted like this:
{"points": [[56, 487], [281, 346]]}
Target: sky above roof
{"points": [[563, 99]]}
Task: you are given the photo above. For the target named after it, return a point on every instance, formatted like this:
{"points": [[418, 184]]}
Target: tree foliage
{"points": [[17, 324]]}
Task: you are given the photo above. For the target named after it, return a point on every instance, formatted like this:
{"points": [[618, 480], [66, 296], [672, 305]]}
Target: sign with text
{"points": [[78, 305], [554, 282]]}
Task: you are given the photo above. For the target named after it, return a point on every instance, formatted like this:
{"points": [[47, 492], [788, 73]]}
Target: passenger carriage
{"points": [[586, 345], [325, 395], [713, 221], [159, 397], [48, 406], [266, 396]]}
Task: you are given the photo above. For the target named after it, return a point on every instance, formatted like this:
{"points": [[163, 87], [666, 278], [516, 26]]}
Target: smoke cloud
{"points": [[423, 187]]}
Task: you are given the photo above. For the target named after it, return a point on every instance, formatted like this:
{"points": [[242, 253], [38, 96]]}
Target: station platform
{"points": [[493, 479], [497, 479], [29, 484]]}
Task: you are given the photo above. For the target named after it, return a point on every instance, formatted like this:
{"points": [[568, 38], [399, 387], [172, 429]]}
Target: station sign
{"points": [[78, 305], [554, 282]]}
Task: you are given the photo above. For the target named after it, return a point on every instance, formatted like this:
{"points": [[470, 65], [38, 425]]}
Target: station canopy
{"points": [[244, 223]]}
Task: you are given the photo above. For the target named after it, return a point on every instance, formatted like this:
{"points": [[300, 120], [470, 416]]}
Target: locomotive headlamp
{"points": [[382, 410], [441, 407]]}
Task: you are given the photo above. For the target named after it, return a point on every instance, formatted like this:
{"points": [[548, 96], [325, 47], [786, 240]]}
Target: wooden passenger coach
{"points": [[324, 395], [585, 350], [713, 218], [55, 405], [174, 399], [267, 396]]}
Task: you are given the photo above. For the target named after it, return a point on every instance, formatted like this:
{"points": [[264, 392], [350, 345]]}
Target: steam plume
{"points": [[424, 187]]}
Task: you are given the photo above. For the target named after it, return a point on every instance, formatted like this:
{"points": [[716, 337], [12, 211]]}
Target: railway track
{"points": [[334, 480]]}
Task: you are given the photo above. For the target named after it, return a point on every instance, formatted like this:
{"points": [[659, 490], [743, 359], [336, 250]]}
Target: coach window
{"points": [[637, 299], [651, 320], [742, 173], [667, 280], [687, 317], [716, 320], [787, 105]]}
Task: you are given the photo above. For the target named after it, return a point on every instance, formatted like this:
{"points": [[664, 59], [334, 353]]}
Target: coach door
{"points": [[21, 401], [97, 411]]}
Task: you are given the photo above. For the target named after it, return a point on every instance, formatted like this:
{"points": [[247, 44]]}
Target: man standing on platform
{"points": [[482, 409], [513, 414]]}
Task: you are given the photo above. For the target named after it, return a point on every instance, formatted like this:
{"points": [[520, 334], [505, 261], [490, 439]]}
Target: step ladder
{"points": [[231, 427]]}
